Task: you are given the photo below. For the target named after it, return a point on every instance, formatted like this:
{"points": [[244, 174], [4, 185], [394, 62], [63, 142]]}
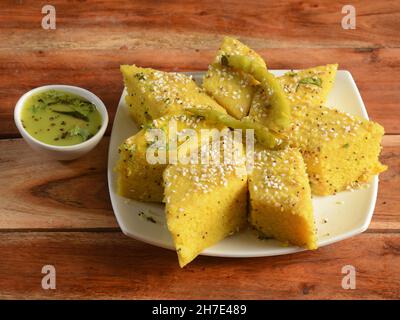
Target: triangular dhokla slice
{"points": [[280, 197], [204, 204], [309, 86], [152, 94], [304, 87], [232, 89], [141, 179]]}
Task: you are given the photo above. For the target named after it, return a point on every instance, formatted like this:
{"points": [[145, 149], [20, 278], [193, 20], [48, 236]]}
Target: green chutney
{"points": [[60, 118]]}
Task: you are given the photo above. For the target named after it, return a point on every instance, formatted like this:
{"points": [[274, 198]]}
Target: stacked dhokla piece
{"points": [[232, 89], [152, 94], [205, 202], [280, 197]]}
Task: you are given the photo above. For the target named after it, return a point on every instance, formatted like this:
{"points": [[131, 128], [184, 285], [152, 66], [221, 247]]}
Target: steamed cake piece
{"points": [[231, 89], [139, 179], [280, 197], [340, 150], [309, 86], [304, 87], [204, 204], [152, 94]]}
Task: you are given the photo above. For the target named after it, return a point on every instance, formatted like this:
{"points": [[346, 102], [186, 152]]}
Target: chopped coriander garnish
{"points": [[311, 80]]}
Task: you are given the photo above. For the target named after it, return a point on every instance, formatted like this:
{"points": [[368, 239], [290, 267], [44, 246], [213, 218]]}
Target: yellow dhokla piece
{"points": [[280, 197], [204, 204], [309, 86], [232, 89], [152, 94], [340, 150], [139, 179]]}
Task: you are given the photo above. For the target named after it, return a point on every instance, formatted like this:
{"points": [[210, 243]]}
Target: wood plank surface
{"points": [[42, 193], [99, 24], [110, 265], [92, 40], [100, 74], [45, 194]]}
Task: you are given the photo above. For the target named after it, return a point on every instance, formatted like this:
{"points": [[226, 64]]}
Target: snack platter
{"points": [[337, 217]]}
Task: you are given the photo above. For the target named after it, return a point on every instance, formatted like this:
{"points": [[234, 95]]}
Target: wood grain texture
{"points": [[99, 24], [100, 74], [93, 38], [110, 265], [387, 211], [46, 194], [40, 193]]}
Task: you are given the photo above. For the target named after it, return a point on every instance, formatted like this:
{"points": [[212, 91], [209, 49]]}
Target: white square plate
{"points": [[346, 214]]}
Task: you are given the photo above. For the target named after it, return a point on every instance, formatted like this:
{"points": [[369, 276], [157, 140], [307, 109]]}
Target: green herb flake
{"points": [[148, 125], [78, 131], [291, 73], [311, 80], [73, 113], [38, 106]]}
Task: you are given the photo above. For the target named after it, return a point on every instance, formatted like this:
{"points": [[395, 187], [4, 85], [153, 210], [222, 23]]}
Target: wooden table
{"points": [[60, 213]]}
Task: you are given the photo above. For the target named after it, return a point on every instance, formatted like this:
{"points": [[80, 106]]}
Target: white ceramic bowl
{"points": [[63, 152]]}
